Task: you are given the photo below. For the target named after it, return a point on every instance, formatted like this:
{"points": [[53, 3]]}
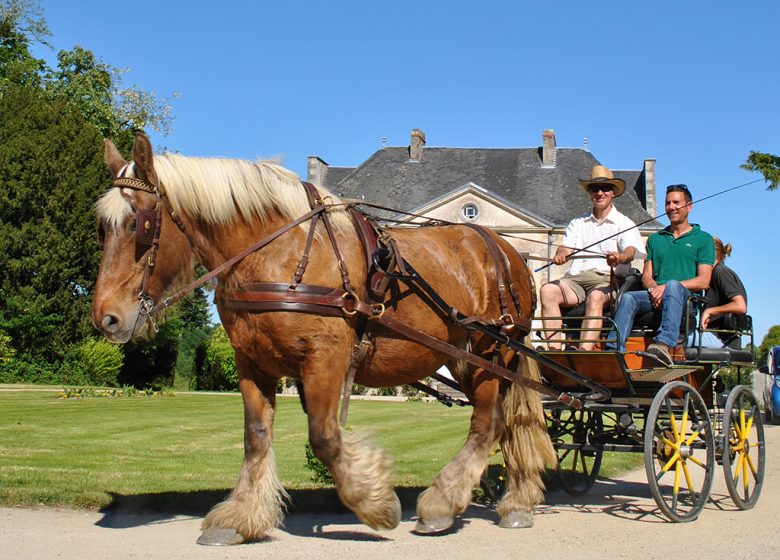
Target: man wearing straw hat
{"points": [[611, 239]]}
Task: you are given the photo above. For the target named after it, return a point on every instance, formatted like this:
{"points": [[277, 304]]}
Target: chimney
{"points": [[416, 147], [548, 148], [650, 194], [316, 171]]}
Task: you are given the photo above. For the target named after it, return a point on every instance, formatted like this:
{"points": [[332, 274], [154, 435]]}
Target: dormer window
{"points": [[469, 212]]}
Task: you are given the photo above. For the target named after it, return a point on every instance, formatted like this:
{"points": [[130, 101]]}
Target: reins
{"points": [[724, 191], [295, 296]]}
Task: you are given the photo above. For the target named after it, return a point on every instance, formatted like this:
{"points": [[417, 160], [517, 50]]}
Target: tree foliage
{"points": [[52, 121], [772, 338], [21, 21], [215, 363], [766, 164]]}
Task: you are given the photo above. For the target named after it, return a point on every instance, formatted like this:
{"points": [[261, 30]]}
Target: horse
{"points": [[165, 212]]}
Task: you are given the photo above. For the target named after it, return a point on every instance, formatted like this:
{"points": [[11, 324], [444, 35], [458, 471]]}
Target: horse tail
{"points": [[525, 444]]}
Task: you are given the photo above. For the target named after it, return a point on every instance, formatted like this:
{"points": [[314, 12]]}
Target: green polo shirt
{"points": [[677, 259]]}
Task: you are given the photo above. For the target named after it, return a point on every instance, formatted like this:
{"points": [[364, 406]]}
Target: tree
{"points": [[766, 164], [52, 122], [772, 338], [52, 172], [21, 21]]}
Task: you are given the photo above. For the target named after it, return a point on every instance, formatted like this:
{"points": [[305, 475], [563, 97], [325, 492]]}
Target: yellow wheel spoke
{"points": [[738, 466], [671, 444], [673, 424], [688, 480], [753, 468], [683, 424], [677, 471], [745, 479], [746, 433], [671, 462], [694, 435], [695, 460]]}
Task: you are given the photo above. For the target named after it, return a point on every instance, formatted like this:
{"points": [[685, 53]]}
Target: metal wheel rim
{"points": [[744, 447], [679, 447]]}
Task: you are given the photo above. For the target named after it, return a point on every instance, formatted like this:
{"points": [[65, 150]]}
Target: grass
{"points": [[171, 451]]}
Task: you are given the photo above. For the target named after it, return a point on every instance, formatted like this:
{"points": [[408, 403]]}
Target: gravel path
{"points": [[617, 519]]}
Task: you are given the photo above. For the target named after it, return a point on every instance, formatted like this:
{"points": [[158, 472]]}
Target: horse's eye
{"points": [[100, 236], [131, 226]]}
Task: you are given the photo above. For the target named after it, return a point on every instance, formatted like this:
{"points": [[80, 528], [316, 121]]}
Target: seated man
{"points": [[605, 232], [726, 294], [679, 261]]}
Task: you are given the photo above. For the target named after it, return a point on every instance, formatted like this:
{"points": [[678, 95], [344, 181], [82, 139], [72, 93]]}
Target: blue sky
{"points": [[692, 84]]}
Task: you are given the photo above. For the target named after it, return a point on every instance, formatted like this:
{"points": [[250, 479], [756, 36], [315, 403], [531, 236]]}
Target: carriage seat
{"points": [[628, 279], [738, 325]]}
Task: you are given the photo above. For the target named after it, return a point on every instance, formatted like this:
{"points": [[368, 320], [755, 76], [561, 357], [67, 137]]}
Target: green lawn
{"points": [[81, 452], [96, 452]]}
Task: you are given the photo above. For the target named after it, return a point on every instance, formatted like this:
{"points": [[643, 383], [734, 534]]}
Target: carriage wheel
{"points": [[743, 447], [573, 433], [679, 451]]}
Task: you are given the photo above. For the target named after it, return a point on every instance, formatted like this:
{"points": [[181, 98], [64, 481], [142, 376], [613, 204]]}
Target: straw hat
{"points": [[600, 175]]}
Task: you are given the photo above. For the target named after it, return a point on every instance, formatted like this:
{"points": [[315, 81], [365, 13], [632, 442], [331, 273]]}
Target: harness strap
{"points": [[167, 302], [502, 272]]}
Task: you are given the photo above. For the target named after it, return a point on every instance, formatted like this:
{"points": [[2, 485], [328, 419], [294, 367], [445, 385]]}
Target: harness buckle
{"points": [[377, 310], [349, 296], [146, 304], [507, 319]]}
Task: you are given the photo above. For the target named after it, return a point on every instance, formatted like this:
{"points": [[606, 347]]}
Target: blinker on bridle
{"points": [[148, 224]]}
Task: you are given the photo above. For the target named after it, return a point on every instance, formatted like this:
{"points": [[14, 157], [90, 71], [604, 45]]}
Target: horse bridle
{"points": [[148, 224]]}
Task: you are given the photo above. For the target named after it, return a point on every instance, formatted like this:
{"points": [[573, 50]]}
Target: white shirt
{"points": [[587, 231]]}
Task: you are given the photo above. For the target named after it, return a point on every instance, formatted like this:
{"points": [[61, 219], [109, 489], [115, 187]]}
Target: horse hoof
{"points": [[433, 526], [517, 520], [214, 536]]}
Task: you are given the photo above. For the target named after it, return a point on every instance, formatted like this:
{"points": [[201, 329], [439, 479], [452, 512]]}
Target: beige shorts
{"points": [[585, 282]]}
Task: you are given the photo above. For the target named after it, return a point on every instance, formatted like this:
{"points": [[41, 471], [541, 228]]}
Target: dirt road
{"points": [[617, 519]]}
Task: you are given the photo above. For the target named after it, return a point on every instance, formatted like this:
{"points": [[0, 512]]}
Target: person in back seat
{"points": [[606, 232], [679, 262], [726, 294]]}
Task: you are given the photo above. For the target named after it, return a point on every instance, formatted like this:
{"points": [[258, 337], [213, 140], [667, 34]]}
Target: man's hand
{"points": [[614, 258], [657, 295], [561, 257], [706, 315]]}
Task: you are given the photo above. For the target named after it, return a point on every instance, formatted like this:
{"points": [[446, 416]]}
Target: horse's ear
{"points": [[114, 159], [143, 156]]}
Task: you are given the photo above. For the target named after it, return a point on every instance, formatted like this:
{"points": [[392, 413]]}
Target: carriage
{"points": [[683, 419], [310, 288]]}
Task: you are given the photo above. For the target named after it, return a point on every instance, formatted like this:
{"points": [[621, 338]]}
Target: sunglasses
{"points": [[678, 188], [602, 188]]}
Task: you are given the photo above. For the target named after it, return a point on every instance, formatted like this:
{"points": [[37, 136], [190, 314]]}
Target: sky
{"points": [[692, 84]]}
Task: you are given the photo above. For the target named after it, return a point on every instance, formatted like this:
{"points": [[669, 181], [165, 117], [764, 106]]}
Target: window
{"points": [[469, 212]]}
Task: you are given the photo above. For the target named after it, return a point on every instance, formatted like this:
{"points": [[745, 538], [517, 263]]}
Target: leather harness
{"points": [[384, 265]]}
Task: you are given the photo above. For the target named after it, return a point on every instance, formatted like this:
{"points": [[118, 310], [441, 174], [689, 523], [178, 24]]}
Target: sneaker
{"points": [[661, 352], [572, 348]]}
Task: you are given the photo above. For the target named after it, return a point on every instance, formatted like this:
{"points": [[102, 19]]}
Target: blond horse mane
{"points": [[218, 190]]}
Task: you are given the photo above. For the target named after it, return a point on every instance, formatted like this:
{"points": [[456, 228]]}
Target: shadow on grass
{"points": [[126, 511]]}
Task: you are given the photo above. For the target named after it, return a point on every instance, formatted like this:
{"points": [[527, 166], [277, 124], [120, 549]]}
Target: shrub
{"points": [[22, 371], [320, 472], [215, 363], [6, 350], [93, 362]]}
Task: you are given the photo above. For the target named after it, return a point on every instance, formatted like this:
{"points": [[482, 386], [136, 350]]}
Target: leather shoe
{"points": [[661, 352]]}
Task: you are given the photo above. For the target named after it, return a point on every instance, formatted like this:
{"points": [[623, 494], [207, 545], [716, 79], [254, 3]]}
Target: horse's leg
{"points": [[256, 504], [362, 472], [527, 448], [451, 491]]}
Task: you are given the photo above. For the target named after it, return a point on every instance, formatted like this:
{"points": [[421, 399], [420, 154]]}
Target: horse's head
{"points": [[144, 253]]}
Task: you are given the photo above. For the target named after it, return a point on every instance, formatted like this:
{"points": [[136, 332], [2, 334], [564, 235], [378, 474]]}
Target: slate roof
{"points": [[390, 178]]}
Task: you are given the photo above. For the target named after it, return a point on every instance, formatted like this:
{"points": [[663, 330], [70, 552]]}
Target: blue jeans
{"points": [[636, 303]]}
